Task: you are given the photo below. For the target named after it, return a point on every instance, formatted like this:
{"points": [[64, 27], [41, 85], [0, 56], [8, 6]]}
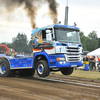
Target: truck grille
{"points": [[72, 54]]}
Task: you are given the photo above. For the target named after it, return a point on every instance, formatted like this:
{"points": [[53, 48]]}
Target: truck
{"points": [[55, 48]]}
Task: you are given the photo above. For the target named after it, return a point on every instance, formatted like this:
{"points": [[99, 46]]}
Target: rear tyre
{"points": [[27, 72], [67, 71], [43, 69], [5, 69]]}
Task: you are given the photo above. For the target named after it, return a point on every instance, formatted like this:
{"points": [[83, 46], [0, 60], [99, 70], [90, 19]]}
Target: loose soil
{"points": [[30, 88]]}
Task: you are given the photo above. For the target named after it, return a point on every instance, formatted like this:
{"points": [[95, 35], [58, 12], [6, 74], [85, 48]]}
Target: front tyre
{"points": [[43, 69], [5, 69], [67, 71]]}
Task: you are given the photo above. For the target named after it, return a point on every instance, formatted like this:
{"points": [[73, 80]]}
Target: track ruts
{"points": [[33, 88]]}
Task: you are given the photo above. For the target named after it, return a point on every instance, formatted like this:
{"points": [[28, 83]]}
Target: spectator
{"points": [[86, 59], [28, 55], [15, 54], [7, 53], [1, 52], [92, 63], [98, 65], [83, 58], [25, 55]]}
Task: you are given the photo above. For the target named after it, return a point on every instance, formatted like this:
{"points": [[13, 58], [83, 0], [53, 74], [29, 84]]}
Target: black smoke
{"points": [[31, 7], [53, 5]]}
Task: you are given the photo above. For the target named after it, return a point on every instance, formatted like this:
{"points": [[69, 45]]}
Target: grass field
{"points": [[84, 74]]}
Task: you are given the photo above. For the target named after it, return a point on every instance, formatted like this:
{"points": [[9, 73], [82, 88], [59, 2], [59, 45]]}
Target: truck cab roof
{"points": [[55, 26], [66, 26]]}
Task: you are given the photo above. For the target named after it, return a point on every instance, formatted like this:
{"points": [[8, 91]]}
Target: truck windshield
{"points": [[65, 35]]}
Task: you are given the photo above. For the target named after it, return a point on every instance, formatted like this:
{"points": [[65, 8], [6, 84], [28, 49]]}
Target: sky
{"points": [[84, 12]]}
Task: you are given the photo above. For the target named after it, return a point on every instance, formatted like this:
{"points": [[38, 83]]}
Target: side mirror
{"points": [[48, 37]]}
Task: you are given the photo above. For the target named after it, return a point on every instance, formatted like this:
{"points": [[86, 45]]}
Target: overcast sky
{"points": [[84, 12]]}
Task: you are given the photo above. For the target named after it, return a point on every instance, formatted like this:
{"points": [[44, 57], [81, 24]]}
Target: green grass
{"points": [[84, 74]]}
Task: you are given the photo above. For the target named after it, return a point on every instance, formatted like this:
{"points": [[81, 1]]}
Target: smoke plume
{"points": [[30, 7], [53, 10]]}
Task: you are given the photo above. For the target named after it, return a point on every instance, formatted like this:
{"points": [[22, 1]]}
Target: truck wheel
{"points": [[5, 69], [67, 71], [27, 72], [43, 69]]}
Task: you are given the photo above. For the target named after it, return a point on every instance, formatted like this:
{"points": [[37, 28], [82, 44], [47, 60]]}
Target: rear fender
{"points": [[6, 60]]}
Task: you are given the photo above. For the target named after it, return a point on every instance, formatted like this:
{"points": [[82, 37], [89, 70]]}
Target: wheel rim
{"points": [[2, 68], [40, 68]]}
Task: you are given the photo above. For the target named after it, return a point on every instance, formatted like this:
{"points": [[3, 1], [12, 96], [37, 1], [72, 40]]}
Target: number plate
{"points": [[73, 65], [73, 44], [73, 52]]}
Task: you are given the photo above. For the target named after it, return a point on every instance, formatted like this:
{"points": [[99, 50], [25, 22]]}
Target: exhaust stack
{"points": [[66, 14]]}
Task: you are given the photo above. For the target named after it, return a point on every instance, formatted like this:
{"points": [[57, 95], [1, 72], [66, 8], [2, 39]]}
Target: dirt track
{"points": [[16, 88]]}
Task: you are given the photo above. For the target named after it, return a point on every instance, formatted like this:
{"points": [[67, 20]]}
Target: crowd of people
{"points": [[8, 53], [92, 62], [24, 54]]}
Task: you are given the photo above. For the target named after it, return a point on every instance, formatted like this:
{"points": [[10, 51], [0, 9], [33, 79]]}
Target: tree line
{"points": [[20, 43], [90, 42]]}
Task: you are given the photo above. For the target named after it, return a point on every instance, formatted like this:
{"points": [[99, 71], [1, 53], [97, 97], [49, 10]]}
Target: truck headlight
{"points": [[61, 59]]}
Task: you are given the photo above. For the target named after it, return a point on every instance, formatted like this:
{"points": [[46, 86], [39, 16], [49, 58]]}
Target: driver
{"points": [[63, 36]]}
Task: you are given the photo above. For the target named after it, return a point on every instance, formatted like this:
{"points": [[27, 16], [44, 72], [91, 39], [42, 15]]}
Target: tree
{"points": [[98, 42], [30, 46], [93, 35], [92, 42], [20, 43], [83, 40]]}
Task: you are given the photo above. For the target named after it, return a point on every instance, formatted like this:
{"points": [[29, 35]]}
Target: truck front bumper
{"points": [[62, 64]]}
